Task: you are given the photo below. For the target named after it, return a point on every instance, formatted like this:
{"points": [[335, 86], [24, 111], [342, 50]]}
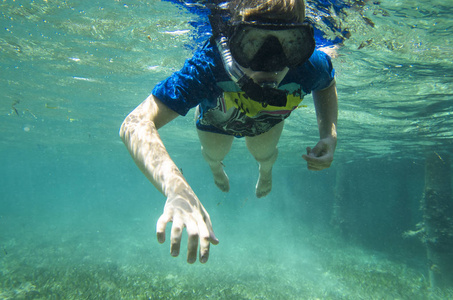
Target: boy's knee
{"points": [[268, 157], [212, 156], [206, 156]]}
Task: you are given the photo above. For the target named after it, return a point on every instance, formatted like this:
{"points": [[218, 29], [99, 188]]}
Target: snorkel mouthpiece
{"points": [[265, 95]]}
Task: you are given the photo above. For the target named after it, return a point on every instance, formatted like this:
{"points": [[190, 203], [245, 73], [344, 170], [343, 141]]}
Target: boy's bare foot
{"points": [[221, 180], [264, 184]]}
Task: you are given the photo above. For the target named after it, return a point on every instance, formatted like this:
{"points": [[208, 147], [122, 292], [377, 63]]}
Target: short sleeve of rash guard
{"points": [[191, 85], [317, 72]]}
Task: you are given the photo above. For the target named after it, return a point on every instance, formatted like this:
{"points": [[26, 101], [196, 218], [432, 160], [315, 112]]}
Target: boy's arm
{"points": [[326, 105], [139, 134]]}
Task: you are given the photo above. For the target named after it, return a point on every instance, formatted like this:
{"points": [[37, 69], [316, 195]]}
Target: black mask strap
{"points": [[218, 18]]}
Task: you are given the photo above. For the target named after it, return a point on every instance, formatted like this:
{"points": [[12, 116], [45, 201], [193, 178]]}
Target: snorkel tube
{"points": [[266, 95], [230, 64]]}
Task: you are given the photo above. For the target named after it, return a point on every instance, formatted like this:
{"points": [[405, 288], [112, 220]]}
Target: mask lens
{"points": [[276, 46], [270, 57], [245, 43]]}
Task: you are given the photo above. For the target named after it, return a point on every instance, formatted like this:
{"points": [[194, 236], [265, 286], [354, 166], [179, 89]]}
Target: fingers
{"points": [[211, 236], [317, 160], [317, 151], [201, 230], [205, 241], [160, 227], [176, 233], [192, 242], [315, 167], [317, 163]]}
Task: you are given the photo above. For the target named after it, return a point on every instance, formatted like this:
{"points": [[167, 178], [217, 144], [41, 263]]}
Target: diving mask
{"points": [[271, 47]]}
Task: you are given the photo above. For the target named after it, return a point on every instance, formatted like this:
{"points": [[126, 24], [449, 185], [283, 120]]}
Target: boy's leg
{"points": [[264, 148], [214, 148]]}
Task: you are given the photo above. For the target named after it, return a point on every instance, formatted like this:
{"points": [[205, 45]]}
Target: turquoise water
{"points": [[77, 218]]}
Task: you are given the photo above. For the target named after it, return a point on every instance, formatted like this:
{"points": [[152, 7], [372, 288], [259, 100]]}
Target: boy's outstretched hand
{"points": [[185, 210]]}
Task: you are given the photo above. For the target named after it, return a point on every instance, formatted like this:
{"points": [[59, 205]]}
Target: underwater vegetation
{"points": [[46, 271]]}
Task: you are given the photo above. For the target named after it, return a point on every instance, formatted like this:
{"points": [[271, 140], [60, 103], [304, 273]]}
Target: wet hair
{"points": [[283, 11]]}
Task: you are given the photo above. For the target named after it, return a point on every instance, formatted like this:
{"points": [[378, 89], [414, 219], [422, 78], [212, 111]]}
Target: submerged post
{"points": [[340, 220], [437, 206]]}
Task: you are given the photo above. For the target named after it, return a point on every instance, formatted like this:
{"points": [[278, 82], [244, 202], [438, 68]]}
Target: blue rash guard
{"points": [[223, 107]]}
